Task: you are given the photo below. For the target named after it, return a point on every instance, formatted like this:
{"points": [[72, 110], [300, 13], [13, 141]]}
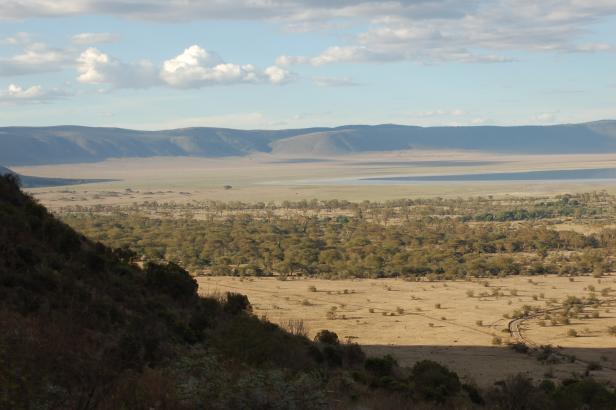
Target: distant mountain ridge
{"points": [[72, 144]]}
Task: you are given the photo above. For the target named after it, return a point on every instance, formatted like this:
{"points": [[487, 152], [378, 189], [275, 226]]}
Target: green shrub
{"points": [[237, 303], [434, 381], [170, 279], [380, 367], [584, 394], [327, 337]]}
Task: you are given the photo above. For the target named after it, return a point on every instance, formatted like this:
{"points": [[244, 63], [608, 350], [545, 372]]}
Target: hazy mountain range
{"points": [[71, 144]]}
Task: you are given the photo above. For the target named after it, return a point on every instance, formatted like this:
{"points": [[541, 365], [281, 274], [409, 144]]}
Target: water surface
{"points": [[548, 175]]}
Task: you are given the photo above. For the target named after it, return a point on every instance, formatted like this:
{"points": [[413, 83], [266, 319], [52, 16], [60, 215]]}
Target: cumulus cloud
{"points": [[35, 57], [95, 38], [33, 94], [278, 75], [424, 31], [195, 67], [96, 67]]}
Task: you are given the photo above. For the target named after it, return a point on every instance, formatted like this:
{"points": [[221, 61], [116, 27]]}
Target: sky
{"points": [[272, 64]]}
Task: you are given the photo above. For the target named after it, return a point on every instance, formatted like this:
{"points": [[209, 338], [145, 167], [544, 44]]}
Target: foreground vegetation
{"points": [[338, 239]]}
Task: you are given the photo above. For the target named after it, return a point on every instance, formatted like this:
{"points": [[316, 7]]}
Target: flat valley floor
{"points": [[264, 178]]}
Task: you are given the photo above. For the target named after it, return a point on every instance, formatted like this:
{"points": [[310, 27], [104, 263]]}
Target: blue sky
{"points": [[281, 64]]}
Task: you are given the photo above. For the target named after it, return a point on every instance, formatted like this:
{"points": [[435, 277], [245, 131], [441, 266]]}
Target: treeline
{"points": [[340, 247], [588, 205]]}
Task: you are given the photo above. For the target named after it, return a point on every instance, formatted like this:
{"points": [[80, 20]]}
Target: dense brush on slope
{"points": [[85, 328]]}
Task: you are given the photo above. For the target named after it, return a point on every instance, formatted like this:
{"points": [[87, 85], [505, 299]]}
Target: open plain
{"points": [[265, 178], [465, 324]]}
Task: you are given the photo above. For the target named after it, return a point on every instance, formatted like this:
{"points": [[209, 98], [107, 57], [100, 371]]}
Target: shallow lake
{"points": [[548, 175]]}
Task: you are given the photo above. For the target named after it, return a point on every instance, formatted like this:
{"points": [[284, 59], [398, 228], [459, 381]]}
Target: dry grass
{"points": [[402, 318]]}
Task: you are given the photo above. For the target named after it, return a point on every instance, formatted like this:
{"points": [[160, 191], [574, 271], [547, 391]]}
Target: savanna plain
{"points": [[490, 278]]}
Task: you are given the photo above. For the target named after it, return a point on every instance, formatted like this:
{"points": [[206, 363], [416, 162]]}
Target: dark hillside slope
{"points": [[72, 144], [84, 328]]}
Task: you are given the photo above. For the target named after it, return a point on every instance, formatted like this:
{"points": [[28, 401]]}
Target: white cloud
{"points": [[289, 60], [196, 67], [594, 47], [96, 67], [16, 91], [95, 38], [334, 82], [193, 68], [33, 94], [36, 57], [426, 31], [467, 32], [278, 75], [18, 39]]}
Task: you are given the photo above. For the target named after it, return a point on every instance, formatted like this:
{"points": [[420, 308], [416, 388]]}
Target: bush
{"points": [[434, 381], [237, 303], [170, 279], [473, 394], [203, 316], [333, 356], [584, 394], [380, 367], [353, 354], [518, 393], [327, 337]]}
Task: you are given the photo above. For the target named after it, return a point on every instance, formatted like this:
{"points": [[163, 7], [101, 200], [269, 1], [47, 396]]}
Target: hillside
{"points": [[73, 144], [89, 329], [86, 328]]}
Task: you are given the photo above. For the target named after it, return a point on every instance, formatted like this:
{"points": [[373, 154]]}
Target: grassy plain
{"points": [[444, 321]]}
